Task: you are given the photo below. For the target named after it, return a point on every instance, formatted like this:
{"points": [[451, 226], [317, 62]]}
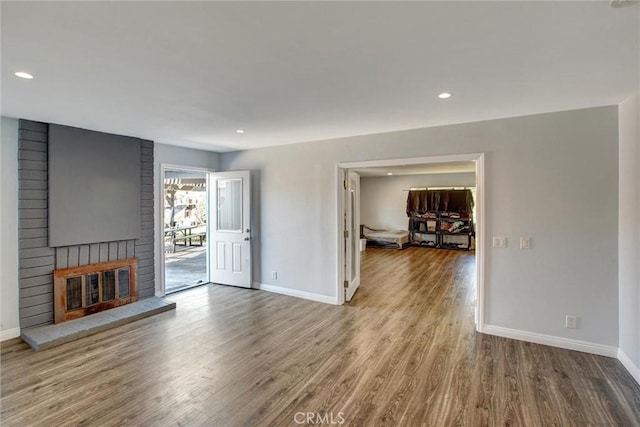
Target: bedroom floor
{"points": [[403, 352]]}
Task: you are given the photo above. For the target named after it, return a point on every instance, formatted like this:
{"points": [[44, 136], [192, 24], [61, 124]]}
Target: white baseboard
{"points": [[296, 293], [633, 369], [553, 341], [9, 333]]}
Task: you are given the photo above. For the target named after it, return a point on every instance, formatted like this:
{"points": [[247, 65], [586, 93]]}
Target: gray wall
{"points": [[629, 234], [38, 260], [9, 323], [94, 186], [383, 199], [553, 177]]}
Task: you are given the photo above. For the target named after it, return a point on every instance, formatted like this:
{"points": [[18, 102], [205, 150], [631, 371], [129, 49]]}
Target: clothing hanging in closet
{"points": [[419, 202]]}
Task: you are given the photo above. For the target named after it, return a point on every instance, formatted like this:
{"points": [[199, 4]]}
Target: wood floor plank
{"points": [[404, 352]]}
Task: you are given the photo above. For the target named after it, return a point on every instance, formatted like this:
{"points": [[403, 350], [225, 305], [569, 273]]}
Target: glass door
{"points": [[185, 229]]}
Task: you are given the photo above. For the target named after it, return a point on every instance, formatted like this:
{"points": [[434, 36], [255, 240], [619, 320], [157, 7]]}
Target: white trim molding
{"points": [[9, 334], [296, 293], [626, 361], [550, 340], [480, 242], [411, 161]]}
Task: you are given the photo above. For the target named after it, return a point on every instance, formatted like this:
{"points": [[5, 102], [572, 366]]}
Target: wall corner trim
{"points": [[9, 334], [626, 361], [550, 340], [295, 293]]}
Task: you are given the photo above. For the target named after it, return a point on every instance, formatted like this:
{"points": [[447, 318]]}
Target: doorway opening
{"points": [[396, 224], [186, 229]]}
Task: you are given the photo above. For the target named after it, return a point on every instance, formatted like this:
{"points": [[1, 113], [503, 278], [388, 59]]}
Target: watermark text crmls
{"points": [[319, 418]]}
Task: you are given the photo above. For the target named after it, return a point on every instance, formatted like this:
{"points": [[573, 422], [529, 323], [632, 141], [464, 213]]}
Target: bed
{"points": [[398, 239]]}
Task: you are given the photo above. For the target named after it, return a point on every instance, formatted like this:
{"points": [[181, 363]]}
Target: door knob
{"points": [[247, 238]]}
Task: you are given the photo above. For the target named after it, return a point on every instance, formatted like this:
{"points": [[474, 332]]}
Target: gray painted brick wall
{"points": [[144, 246], [37, 260]]}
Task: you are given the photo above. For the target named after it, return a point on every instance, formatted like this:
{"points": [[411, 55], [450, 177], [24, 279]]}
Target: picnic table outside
{"points": [[186, 235]]}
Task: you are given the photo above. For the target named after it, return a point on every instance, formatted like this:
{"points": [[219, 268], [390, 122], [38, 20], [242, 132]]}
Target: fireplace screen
{"points": [[80, 291], [109, 284], [123, 281], [74, 293], [92, 289]]}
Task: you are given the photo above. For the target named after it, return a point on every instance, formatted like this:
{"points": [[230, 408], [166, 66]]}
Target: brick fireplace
{"points": [[92, 289]]}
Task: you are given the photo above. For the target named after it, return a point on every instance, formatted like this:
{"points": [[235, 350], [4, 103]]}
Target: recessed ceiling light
{"points": [[23, 75], [239, 131], [445, 95], [389, 173]]}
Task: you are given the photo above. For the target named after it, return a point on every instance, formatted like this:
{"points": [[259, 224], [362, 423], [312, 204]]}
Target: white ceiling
{"points": [[191, 73]]}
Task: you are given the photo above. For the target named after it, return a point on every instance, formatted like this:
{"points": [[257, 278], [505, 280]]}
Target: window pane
{"points": [[229, 204]]}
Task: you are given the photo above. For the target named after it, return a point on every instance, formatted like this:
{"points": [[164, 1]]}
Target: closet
{"points": [[441, 219]]}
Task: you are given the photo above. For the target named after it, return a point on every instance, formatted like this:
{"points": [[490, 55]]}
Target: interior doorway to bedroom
{"points": [[416, 212]]}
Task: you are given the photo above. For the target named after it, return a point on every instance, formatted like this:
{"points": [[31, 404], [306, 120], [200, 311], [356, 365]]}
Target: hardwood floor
{"points": [[403, 352]]}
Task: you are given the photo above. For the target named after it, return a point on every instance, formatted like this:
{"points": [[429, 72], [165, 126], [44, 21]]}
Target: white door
{"points": [[230, 242], [352, 233]]}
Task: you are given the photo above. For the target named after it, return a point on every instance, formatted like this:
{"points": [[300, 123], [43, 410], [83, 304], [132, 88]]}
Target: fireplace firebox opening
{"points": [[81, 291]]}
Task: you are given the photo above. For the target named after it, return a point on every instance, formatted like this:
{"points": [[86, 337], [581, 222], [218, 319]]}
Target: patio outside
{"points": [[185, 268]]}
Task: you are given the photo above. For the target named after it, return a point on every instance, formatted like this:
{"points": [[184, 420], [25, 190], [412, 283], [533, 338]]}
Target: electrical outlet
{"points": [[274, 275], [525, 243], [499, 242], [571, 322]]}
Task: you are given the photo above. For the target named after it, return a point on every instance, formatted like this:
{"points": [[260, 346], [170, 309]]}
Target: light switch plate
{"points": [[525, 243], [499, 242]]}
